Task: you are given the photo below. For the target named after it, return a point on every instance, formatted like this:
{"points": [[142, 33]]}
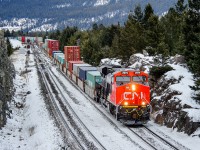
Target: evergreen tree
{"points": [[152, 30], [148, 12], [132, 35], [192, 40], [192, 36], [180, 7], [172, 24], [9, 47], [138, 14]]}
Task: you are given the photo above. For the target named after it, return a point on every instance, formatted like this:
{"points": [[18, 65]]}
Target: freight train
{"points": [[123, 91]]}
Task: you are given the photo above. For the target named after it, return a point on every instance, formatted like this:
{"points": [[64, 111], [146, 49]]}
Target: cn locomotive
{"points": [[125, 92]]}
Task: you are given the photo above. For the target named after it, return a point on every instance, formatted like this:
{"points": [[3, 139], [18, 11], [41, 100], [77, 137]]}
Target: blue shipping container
{"points": [[83, 72]]}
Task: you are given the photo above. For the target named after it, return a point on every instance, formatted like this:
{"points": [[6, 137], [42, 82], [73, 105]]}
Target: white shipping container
{"points": [[64, 69], [60, 66], [80, 84], [68, 73], [89, 91], [74, 78], [39, 39], [77, 66]]}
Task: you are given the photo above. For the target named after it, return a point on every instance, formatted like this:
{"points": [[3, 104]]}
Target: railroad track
{"points": [[79, 136], [175, 145], [154, 140], [59, 114], [74, 113]]}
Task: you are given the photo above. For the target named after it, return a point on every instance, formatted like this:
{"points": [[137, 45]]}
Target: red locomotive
{"points": [[126, 93]]}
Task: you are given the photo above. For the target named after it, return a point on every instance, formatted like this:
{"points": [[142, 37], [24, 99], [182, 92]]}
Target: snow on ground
{"points": [[191, 142], [15, 43], [30, 127], [184, 84]]}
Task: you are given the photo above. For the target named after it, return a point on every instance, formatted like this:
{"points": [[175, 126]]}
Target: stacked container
{"points": [[92, 79], [83, 72], [23, 39], [61, 60], [40, 44], [72, 53], [19, 38], [54, 53], [53, 45], [82, 75], [77, 66], [56, 57], [38, 40], [70, 67], [46, 45], [76, 71]]}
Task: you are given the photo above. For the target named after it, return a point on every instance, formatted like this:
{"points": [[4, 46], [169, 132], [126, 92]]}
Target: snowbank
{"points": [[15, 43]]}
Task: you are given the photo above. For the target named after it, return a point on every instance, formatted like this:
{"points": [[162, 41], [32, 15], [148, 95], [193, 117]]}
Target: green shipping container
{"points": [[92, 78], [57, 55], [60, 58], [63, 60]]}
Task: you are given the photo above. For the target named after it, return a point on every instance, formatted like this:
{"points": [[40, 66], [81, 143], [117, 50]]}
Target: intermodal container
{"points": [[61, 59], [69, 53], [72, 53], [23, 39], [46, 44], [70, 65], [83, 72], [54, 52], [56, 56], [77, 66], [19, 38], [53, 44], [77, 55], [39, 39], [92, 78], [40, 44]]}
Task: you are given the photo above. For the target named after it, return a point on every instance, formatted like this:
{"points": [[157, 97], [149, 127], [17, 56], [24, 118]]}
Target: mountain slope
{"points": [[81, 13]]}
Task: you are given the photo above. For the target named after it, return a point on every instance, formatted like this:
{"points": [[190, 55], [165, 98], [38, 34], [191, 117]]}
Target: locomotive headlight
{"points": [[126, 103], [143, 103], [133, 87]]}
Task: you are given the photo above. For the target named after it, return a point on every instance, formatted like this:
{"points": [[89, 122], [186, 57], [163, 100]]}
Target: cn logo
{"points": [[133, 95]]}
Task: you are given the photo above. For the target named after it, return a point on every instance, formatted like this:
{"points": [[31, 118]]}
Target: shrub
{"points": [[157, 72]]}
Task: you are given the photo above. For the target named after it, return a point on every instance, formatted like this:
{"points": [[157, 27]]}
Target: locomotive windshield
{"points": [[120, 80], [140, 79]]}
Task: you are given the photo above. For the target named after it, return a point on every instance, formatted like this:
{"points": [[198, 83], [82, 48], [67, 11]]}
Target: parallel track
{"points": [[59, 114], [149, 142], [89, 145], [74, 113], [165, 141]]}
